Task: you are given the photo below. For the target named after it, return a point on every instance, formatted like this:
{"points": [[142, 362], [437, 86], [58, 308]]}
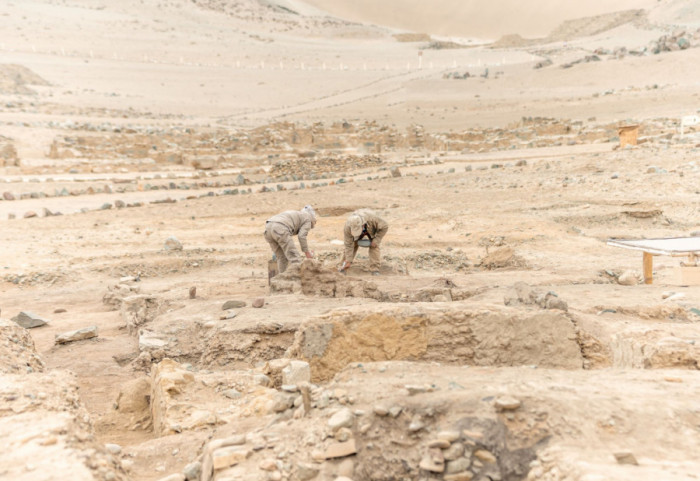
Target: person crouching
{"points": [[363, 226], [280, 231]]}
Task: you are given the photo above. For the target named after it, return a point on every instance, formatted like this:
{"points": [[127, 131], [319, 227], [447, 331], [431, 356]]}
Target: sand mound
{"points": [[576, 28], [14, 79], [473, 18]]}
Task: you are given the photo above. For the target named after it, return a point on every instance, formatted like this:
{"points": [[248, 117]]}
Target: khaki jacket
{"points": [[299, 224], [376, 228]]}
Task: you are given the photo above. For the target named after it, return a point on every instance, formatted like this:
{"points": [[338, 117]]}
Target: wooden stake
{"points": [[648, 261], [306, 398]]}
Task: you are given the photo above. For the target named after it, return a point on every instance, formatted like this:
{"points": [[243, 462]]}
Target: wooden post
{"points": [[306, 398], [648, 261]]}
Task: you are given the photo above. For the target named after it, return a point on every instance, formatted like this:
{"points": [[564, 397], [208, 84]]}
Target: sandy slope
{"points": [[474, 18]]}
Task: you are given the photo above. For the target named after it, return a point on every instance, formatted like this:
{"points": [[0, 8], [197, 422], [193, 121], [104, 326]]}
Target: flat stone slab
{"points": [[77, 335], [29, 320]]}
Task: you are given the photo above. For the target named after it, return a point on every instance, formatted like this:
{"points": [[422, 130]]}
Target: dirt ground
{"points": [[128, 123]]}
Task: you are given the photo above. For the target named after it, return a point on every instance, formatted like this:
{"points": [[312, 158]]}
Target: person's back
{"points": [[293, 219], [279, 230]]}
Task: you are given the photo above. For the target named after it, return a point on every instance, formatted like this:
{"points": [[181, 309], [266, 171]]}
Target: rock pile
{"points": [[43, 424]]}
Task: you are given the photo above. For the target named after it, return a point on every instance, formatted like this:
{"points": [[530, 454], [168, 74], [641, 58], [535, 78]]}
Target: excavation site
{"points": [[285, 240]]}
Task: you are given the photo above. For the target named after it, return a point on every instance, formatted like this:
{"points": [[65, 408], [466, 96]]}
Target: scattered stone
{"points": [[259, 302], [456, 450], [229, 456], [507, 403], [625, 457], [60, 310], [433, 461], [172, 244], [77, 335], [29, 320], [296, 372], [485, 456], [415, 389], [29, 214], [268, 465], [380, 410], [233, 305], [439, 443], [458, 465], [193, 471], [340, 450], [228, 315], [343, 434], [416, 425], [394, 411], [343, 418], [395, 172], [628, 278], [552, 301], [450, 436], [193, 292], [113, 448], [232, 394]]}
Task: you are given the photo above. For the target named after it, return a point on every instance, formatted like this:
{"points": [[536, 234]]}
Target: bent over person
{"points": [[280, 231], [364, 226]]}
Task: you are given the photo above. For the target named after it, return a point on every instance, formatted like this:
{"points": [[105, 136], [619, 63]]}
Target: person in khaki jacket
{"points": [[363, 226], [279, 232]]}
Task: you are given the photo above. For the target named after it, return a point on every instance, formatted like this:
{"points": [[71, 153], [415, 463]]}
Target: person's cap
{"points": [[355, 224], [310, 210]]}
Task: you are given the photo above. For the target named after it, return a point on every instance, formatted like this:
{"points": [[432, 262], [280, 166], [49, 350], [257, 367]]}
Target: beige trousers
{"points": [[282, 245]]}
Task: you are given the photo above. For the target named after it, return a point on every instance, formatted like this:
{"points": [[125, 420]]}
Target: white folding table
{"points": [[670, 246]]}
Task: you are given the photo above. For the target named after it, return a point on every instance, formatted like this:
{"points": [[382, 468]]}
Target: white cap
{"points": [[310, 210], [355, 223]]}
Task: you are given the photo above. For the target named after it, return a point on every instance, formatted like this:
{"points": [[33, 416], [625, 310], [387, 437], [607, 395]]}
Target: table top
{"points": [[670, 246]]}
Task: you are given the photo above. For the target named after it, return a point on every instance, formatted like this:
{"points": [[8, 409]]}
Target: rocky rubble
{"points": [[294, 149], [17, 352], [401, 420], [43, 424]]}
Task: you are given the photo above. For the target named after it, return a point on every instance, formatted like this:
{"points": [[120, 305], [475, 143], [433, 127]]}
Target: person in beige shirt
{"points": [[280, 231], [364, 225]]}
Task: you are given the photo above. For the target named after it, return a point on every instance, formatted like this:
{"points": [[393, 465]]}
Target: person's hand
{"points": [[373, 244], [346, 265], [309, 255]]}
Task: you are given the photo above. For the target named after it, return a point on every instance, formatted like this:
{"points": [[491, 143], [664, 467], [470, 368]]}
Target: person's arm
{"points": [[349, 247], [303, 231]]}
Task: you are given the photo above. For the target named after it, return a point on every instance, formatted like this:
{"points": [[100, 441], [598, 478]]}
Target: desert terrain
{"points": [[144, 143]]}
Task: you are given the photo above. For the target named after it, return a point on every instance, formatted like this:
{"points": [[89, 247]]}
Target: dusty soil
{"points": [[128, 124]]}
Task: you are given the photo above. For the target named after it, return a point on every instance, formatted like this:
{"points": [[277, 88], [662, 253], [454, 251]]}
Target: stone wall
{"points": [[452, 334]]}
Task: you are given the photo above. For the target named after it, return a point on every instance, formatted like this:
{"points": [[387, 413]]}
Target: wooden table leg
{"points": [[648, 261]]}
